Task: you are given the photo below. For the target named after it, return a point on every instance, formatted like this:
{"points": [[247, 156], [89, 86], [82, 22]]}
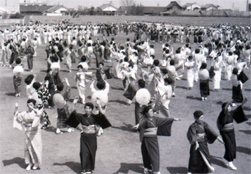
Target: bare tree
{"points": [[127, 3]]}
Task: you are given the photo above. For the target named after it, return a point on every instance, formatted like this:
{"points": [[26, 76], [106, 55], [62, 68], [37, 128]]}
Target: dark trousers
{"points": [[30, 62]]}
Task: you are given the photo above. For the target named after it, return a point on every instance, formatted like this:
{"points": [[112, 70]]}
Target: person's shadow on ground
{"points": [[16, 160], [177, 170], [218, 161], [125, 127], [126, 167], [245, 150], [74, 166]]}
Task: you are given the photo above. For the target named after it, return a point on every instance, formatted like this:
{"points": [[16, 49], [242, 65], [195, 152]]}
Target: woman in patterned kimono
{"points": [[31, 123], [199, 134], [91, 126], [150, 126]]}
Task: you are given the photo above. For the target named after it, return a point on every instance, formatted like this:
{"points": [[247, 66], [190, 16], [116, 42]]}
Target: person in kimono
{"points": [[172, 75], [81, 80], [204, 81], [97, 51], [138, 107], [13, 55], [30, 53], [41, 95], [226, 128], [91, 126], [190, 64], [150, 126], [99, 92], [59, 99], [17, 77], [54, 80], [31, 122], [199, 134], [237, 87], [217, 66], [165, 93], [29, 80], [67, 56]]}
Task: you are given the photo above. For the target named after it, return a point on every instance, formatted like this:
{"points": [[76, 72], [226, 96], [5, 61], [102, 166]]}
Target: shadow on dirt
{"points": [[16, 160], [125, 127], [182, 87], [246, 131], [117, 88], [194, 98], [10, 94], [245, 150], [227, 89], [177, 170], [74, 166], [50, 129], [118, 101], [218, 161], [126, 167], [249, 123]]}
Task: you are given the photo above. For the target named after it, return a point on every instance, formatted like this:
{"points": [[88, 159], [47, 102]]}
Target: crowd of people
{"points": [[208, 52]]}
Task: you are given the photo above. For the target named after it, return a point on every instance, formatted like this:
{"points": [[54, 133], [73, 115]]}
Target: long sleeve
{"points": [[164, 126], [107, 87], [92, 87], [73, 120], [211, 134]]}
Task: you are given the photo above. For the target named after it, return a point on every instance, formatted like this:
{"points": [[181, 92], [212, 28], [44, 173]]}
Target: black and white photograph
{"points": [[125, 86]]}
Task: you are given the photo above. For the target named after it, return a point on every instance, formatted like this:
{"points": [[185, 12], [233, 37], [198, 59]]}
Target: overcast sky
{"points": [[226, 4]]}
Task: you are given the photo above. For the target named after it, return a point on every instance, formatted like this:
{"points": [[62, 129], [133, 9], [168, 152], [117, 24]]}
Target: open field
{"points": [[119, 148], [204, 21]]}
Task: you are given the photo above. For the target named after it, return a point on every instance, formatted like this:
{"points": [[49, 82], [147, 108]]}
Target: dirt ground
{"points": [[119, 148]]}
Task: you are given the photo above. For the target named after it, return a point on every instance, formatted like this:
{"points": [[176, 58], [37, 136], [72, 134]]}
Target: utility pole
{"points": [[6, 5], [247, 8]]}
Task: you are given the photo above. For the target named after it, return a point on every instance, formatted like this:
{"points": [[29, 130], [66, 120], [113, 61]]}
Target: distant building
{"points": [[191, 6], [209, 7], [33, 9], [173, 9], [108, 9], [155, 11], [57, 10], [174, 6]]}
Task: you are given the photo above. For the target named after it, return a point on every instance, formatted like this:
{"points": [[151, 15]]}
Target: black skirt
{"points": [[204, 88], [237, 94], [88, 148]]}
